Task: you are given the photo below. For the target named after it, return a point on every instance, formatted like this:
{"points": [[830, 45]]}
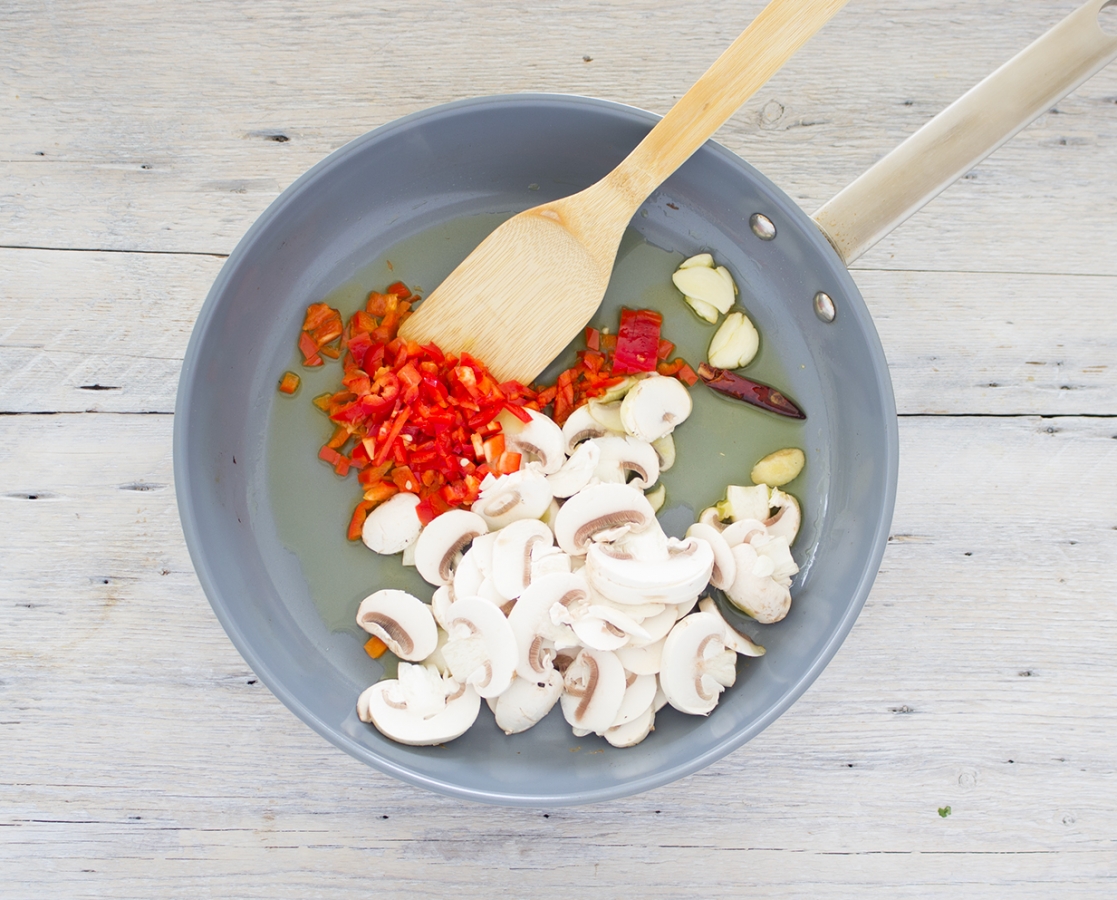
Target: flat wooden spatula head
{"points": [[520, 297]]}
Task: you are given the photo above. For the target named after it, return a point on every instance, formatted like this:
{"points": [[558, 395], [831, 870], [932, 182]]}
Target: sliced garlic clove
{"points": [[701, 259], [734, 344], [705, 284], [703, 309]]}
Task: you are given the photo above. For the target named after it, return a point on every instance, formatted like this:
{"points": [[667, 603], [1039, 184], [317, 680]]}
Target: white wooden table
{"points": [[140, 758]]}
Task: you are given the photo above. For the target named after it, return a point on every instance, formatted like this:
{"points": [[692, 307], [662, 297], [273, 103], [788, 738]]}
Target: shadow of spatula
{"points": [[533, 283]]}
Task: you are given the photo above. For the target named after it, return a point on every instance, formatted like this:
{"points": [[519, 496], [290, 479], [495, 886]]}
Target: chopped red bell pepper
{"points": [[637, 341], [289, 383]]}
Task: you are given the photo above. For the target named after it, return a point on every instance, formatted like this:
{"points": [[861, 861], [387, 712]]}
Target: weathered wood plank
{"points": [[978, 677], [104, 106]]}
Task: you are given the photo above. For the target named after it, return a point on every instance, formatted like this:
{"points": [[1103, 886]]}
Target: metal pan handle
{"points": [[967, 131]]}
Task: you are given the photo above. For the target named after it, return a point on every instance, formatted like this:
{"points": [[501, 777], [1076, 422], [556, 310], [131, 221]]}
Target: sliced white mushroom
{"points": [[400, 620], [680, 575], [645, 660], [604, 627], [408, 558], [538, 636], [393, 710], [481, 650], [598, 508], [634, 731], [626, 460], [525, 494], [665, 450], [441, 600], [735, 639], [607, 415], [541, 441], [581, 426], [697, 664], [742, 531], [440, 544], [548, 518], [577, 471], [467, 573], [638, 696], [744, 503], [656, 627], [527, 701], [774, 558], [712, 517], [654, 406], [725, 569], [547, 561], [393, 526], [785, 521], [683, 609], [594, 688], [760, 596], [512, 554], [436, 658]]}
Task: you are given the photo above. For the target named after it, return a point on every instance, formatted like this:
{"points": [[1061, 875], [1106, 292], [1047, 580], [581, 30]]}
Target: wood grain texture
{"points": [[141, 757]]}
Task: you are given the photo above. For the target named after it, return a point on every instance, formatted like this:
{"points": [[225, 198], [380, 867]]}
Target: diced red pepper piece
{"points": [[289, 383], [665, 348], [687, 375], [637, 341], [374, 647]]}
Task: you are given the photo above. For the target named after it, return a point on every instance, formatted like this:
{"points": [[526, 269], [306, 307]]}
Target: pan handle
{"points": [[967, 131]]}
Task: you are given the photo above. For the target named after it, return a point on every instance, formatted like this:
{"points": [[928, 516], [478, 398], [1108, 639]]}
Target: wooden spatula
{"points": [[532, 284]]}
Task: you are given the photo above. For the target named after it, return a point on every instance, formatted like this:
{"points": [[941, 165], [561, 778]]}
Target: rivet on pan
{"points": [[762, 226], [824, 307]]}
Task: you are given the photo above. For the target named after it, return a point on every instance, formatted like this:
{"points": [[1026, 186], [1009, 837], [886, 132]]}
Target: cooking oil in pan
{"points": [[716, 446]]}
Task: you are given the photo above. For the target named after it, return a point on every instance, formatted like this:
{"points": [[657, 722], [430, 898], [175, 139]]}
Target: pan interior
{"points": [[265, 522]]}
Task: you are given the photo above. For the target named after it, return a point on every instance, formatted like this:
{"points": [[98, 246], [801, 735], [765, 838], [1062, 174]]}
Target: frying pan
{"points": [[245, 507]]}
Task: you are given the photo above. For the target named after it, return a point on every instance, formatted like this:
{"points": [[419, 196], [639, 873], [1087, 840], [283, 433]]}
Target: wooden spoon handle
{"points": [[782, 27], [967, 131]]}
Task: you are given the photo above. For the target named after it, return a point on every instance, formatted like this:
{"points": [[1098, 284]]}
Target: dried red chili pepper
{"points": [[754, 393]]}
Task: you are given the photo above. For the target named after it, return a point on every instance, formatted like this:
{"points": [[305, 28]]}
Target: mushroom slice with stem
{"points": [[697, 664], [678, 576], [760, 596], [393, 525], [581, 426], [626, 460], [527, 701], [468, 576], [512, 554], [654, 407], [725, 569], [481, 651], [735, 640], [400, 620], [538, 636], [742, 531], [525, 494], [597, 508], [594, 688], [785, 521], [439, 547], [540, 440], [441, 601], [604, 627], [577, 471], [420, 707]]}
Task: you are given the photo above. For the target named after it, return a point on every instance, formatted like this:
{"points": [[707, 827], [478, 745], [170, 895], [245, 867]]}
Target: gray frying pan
{"points": [[265, 524]]}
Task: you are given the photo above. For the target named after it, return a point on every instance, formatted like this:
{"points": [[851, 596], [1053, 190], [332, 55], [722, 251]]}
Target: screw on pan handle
{"points": [[967, 131]]}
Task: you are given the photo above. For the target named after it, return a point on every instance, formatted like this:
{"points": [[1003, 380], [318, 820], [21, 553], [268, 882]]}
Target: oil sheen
{"points": [[716, 446]]}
